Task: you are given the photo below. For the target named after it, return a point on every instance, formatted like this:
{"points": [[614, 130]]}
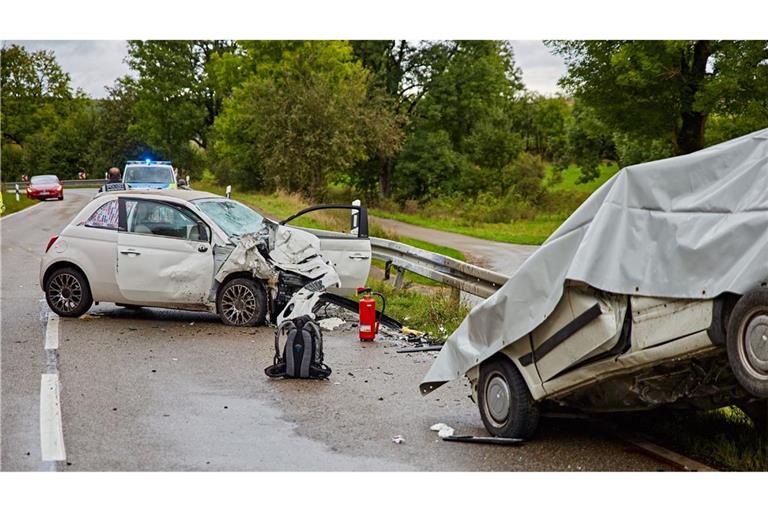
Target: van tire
{"points": [[747, 342], [506, 405]]}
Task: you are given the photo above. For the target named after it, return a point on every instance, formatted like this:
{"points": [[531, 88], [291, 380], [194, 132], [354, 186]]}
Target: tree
{"points": [[302, 119], [35, 94], [467, 109], [401, 72], [176, 98], [664, 92]]}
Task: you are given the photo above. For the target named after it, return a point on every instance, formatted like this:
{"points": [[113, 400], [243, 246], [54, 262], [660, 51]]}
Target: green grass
{"points": [[529, 231], [571, 175], [13, 206], [436, 313], [724, 438]]}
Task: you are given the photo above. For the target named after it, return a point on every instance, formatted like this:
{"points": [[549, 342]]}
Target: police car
{"points": [[149, 174]]}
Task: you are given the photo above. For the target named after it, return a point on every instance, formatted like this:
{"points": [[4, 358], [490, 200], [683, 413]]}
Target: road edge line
{"points": [[51, 431], [5, 217]]}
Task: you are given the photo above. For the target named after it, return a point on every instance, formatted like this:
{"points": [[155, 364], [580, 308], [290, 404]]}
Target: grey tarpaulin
{"points": [[692, 226]]}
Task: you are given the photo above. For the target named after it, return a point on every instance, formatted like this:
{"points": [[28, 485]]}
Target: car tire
{"points": [[68, 293], [506, 405], [747, 342], [242, 302]]}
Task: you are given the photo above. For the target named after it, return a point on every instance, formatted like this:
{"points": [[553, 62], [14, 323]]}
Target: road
{"points": [[498, 256], [164, 390]]}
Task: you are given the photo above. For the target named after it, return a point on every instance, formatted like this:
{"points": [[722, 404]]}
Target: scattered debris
{"points": [[425, 348], [331, 323], [398, 439], [442, 430], [506, 441]]}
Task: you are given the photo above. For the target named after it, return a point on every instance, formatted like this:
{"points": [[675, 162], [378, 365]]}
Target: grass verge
{"points": [[724, 438], [436, 313], [13, 206], [533, 228]]}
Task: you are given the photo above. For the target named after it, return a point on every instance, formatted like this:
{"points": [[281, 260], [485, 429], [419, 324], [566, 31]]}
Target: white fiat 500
{"points": [[193, 250]]}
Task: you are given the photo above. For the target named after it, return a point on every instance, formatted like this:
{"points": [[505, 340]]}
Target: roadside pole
{"points": [[18, 198]]}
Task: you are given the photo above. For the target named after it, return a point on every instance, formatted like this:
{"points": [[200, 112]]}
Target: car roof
{"points": [[45, 176], [177, 193]]}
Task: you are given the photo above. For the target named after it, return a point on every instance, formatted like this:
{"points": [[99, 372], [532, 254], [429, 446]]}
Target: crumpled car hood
{"points": [[288, 248]]}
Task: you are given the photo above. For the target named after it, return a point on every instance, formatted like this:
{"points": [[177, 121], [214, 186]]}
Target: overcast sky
{"points": [[92, 65]]}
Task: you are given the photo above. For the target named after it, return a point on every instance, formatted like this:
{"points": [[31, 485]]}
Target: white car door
{"points": [[349, 253], [164, 253]]}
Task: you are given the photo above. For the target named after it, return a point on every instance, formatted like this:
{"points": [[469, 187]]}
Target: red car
{"points": [[45, 187]]}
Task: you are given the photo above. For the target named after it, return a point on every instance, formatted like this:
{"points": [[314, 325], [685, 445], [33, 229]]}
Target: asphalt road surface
{"points": [[164, 390]]}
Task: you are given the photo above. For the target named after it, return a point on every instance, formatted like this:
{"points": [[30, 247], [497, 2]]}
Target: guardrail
{"points": [[11, 185], [457, 274], [443, 269]]}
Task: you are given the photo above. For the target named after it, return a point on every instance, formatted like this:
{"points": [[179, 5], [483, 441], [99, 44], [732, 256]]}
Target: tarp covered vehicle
{"points": [[652, 293]]}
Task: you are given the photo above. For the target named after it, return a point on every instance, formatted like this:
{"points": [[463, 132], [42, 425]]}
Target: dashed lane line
{"points": [[52, 332], [51, 432]]}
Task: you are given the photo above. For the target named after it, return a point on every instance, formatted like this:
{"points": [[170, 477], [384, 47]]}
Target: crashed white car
{"points": [[653, 293], [193, 250]]}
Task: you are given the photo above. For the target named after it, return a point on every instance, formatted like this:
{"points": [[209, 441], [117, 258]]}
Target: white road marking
{"points": [[51, 433], [52, 332], [6, 217]]}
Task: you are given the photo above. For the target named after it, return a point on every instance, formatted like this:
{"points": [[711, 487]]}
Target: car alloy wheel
{"points": [[238, 304], [65, 292]]}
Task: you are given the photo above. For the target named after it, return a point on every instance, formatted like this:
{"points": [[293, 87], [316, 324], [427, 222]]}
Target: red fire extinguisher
{"points": [[368, 325]]}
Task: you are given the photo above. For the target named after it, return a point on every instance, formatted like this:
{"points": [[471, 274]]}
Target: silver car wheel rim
{"points": [[238, 304], [65, 292], [497, 399], [753, 345]]}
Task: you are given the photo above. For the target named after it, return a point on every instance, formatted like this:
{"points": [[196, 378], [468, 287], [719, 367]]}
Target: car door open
{"points": [[164, 254], [350, 253]]}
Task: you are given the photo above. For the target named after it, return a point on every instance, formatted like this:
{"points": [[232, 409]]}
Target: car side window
{"points": [[159, 219], [104, 217]]}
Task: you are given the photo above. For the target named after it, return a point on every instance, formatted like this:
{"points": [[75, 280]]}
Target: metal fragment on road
{"points": [[398, 439]]}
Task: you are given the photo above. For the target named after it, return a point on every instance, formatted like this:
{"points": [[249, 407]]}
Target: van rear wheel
{"points": [[506, 405], [748, 342]]}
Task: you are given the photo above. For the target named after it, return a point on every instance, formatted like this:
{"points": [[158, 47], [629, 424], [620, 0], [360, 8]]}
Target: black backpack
{"points": [[302, 356]]}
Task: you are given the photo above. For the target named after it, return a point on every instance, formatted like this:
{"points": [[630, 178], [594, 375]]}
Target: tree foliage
{"points": [[302, 119], [657, 97]]}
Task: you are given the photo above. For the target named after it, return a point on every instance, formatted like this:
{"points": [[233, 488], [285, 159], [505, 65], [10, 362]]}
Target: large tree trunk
{"points": [[385, 176], [690, 136]]}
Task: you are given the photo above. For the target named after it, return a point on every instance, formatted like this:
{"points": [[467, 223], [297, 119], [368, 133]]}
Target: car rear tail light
{"points": [[51, 242]]}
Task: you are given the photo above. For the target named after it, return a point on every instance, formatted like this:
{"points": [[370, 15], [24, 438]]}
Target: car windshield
{"points": [[232, 217], [148, 174], [44, 180]]}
